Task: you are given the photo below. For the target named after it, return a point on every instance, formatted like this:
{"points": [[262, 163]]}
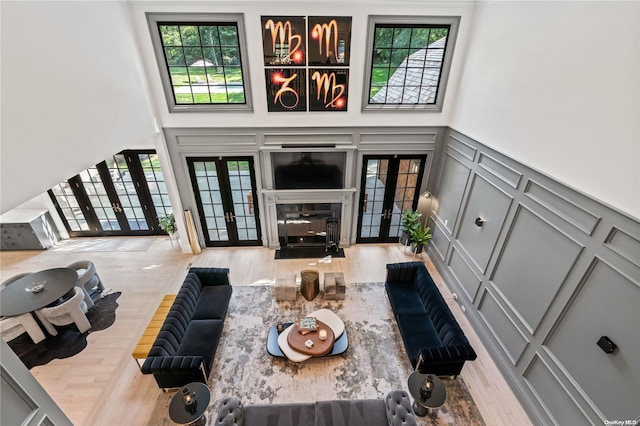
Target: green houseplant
{"points": [[420, 236], [410, 221], [168, 224]]}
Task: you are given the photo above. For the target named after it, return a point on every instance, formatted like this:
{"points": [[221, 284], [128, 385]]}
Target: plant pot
{"points": [[417, 249], [405, 238]]}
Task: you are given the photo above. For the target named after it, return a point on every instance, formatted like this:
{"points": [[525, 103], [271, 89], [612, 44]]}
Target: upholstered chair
{"points": [[12, 327], [88, 279], [71, 311]]}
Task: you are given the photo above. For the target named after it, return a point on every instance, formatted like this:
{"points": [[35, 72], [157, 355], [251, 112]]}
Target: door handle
{"points": [[364, 204], [116, 207], [250, 202], [229, 217]]}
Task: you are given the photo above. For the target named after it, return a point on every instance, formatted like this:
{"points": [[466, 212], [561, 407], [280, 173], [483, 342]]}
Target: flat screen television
{"points": [[308, 170]]}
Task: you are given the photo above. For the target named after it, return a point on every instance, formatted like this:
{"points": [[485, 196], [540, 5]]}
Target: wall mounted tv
{"points": [[308, 170]]}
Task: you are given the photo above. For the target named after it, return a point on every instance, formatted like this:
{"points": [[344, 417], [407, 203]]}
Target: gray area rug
{"points": [[374, 364]]}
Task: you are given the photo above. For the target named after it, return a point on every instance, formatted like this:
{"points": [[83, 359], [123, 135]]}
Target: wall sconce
{"points": [[427, 195], [479, 222], [607, 344]]}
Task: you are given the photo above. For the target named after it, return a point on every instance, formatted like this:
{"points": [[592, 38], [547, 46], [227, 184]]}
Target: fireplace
{"points": [[308, 224]]}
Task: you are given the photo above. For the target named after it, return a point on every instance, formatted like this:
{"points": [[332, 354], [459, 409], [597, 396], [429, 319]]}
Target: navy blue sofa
{"points": [[185, 348], [432, 337]]}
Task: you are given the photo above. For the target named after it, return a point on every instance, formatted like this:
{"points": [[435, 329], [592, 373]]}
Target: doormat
{"points": [[69, 341], [307, 253]]}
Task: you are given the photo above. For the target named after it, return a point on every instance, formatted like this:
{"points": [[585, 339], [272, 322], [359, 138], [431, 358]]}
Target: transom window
{"points": [[200, 60], [409, 62]]}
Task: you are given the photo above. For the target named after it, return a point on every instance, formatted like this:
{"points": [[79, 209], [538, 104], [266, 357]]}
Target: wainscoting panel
{"points": [[440, 240], [454, 181], [535, 261], [573, 214], [552, 394], [464, 275], [548, 273], [490, 204], [502, 327], [606, 304]]}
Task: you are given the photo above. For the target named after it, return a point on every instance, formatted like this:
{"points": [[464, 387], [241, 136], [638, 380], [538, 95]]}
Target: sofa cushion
{"points": [[201, 339], [402, 297], [364, 412], [230, 412], [417, 332], [212, 303], [295, 414], [399, 410]]}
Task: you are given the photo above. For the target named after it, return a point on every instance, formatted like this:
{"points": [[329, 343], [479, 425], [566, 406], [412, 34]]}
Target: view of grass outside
{"points": [[393, 44], [203, 63]]}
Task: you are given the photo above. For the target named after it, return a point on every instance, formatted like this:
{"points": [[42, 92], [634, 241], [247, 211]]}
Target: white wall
{"points": [[556, 85], [73, 92], [359, 10]]}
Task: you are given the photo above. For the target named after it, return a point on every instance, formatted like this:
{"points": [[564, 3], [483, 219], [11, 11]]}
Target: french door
{"points": [[390, 185], [123, 195], [225, 192]]}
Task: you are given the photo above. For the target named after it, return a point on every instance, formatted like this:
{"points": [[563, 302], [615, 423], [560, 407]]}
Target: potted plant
{"points": [[410, 221], [420, 236], [168, 225]]}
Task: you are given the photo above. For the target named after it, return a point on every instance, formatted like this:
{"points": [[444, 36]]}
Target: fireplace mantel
{"points": [[272, 197]]}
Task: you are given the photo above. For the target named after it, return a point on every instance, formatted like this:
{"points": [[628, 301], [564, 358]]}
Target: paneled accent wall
{"points": [[543, 274]]}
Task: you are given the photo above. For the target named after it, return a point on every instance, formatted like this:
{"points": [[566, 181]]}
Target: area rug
{"points": [[307, 253], [107, 244], [69, 341], [374, 364]]}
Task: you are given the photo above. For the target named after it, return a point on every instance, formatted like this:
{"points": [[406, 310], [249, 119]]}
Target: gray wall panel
{"points": [[491, 204], [453, 183], [624, 244], [553, 270], [440, 241], [553, 395], [607, 304], [510, 338], [463, 273], [567, 210], [499, 170], [535, 261]]}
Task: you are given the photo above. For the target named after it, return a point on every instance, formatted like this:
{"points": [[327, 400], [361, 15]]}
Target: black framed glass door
{"points": [[225, 192], [390, 185], [123, 195]]}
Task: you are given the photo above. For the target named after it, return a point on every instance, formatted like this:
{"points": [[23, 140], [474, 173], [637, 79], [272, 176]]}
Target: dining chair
{"points": [[72, 311], [88, 279], [14, 326]]}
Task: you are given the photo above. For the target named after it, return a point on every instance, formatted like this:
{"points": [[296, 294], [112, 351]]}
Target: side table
{"points": [[426, 398], [309, 283], [188, 405]]}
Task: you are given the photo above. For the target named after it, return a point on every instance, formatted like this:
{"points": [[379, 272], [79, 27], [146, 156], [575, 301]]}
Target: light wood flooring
{"points": [[102, 385]]}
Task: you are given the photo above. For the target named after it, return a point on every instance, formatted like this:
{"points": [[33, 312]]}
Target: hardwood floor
{"points": [[102, 385]]}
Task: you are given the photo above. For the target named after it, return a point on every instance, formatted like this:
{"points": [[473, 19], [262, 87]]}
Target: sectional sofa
{"points": [[432, 337], [186, 345]]}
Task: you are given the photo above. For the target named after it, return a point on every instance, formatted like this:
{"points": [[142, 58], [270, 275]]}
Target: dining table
{"points": [[17, 298]]}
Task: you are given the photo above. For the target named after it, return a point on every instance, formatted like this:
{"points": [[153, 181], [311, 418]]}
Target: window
{"points": [[201, 61], [409, 61]]}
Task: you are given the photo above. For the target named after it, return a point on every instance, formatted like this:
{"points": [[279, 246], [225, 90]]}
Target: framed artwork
{"points": [[306, 62], [329, 41], [286, 89], [328, 89]]}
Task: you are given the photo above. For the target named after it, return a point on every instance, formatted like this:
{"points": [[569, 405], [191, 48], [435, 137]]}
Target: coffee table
{"points": [[278, 345], [297, 341]]}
